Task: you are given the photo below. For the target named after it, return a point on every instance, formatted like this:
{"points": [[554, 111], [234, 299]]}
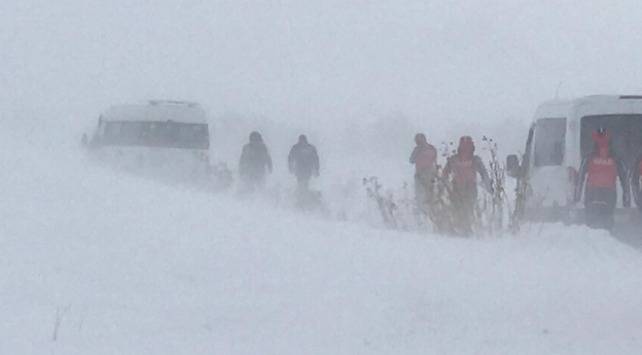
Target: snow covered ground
{"points": [[94, 261]]}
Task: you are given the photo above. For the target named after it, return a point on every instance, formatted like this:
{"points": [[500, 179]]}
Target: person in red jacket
{"points": [[424, 157], [463, 169], [636, 175], [599, 171]]}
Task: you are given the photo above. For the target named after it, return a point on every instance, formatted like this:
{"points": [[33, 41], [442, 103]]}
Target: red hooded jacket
{"points": [[424, 156], [465, 166], [601, 169]]}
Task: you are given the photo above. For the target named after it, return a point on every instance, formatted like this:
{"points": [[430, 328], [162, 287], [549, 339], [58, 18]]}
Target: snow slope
{"points": [[108, 263]]}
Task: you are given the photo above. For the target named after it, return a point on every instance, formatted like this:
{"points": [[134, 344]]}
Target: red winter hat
{"points": [[601, 138]]}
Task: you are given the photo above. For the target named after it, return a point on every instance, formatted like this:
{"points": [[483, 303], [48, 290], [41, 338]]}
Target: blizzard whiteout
{"points": [[101, 260]]}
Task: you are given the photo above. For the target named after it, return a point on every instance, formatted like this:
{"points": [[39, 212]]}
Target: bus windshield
{"points": [[625, 131]]}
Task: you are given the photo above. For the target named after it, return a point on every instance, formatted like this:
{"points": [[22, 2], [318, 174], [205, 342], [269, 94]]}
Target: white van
{"points": [[560, 136], [166, 139]]}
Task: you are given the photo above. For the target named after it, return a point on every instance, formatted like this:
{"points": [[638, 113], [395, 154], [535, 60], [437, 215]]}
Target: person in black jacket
{"points": [[255, 163], [303, 162]]}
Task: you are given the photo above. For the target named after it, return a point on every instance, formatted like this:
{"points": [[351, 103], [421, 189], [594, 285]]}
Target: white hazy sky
{"points": [[317, 60]]}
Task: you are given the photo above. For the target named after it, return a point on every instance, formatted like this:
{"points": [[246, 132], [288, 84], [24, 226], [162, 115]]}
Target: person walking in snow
{"points": [[424, 157], [255, 163], [463, 168], [599, 172], [303, 162]]}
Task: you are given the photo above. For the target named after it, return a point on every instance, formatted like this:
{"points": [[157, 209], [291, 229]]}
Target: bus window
{"points": [[157, 134], [193, 135], [111, 134], [550, 136], [122, 133]]}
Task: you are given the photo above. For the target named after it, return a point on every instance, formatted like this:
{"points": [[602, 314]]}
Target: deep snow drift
{"points": [[99, 262]]}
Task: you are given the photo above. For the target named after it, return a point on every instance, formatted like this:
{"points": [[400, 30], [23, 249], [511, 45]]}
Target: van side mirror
{"points": [[512, 166]]}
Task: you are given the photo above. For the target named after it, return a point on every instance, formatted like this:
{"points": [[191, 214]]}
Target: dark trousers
{"points": [[252, 183], [599, 206], [424, 186], [303, 182]]}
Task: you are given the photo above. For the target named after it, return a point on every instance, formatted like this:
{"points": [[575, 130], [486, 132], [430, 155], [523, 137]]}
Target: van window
{"points": [[625, 131], [156, 134], [550, 136]]}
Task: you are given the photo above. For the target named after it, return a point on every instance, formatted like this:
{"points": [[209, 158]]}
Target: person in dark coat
{"points": [[303, 162], [424, 157], [255, 163], [463, 168], [599, 172]]}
